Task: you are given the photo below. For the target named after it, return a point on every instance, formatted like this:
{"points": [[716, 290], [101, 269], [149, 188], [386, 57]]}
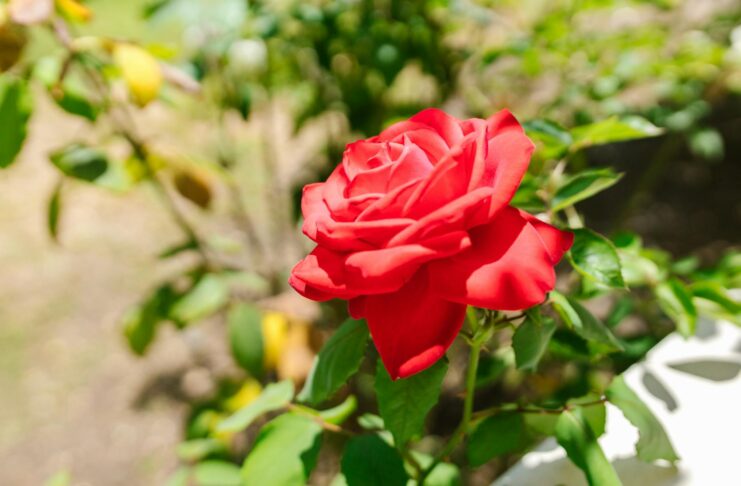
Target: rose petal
{"points": [[321, 276], [388, 269], [412, 327], [556, 242], [447, 126], [508, 267]]}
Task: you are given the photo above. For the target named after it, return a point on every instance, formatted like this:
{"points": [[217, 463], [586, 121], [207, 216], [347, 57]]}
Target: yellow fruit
{"points": [[74, 10], [140, 70], [274, 333], [244, 396]]}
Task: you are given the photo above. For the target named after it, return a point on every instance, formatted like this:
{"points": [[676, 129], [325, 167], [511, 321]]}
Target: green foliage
{"points": [[405, 403], [296, 440], [80, 162], [53, 211], [16, 106], [209, 294], [583, 185], [245, 337], [274, 397], [595, 258], [369, 461], [611, 130], [140, 323], [653, 443], [676, 301], [583, 322], [338, 360], [217, 473], [530, 340], [576, 436], [500, 434]]}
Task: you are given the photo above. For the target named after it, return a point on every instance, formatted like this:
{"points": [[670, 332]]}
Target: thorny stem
{"points": [[127, 130]]}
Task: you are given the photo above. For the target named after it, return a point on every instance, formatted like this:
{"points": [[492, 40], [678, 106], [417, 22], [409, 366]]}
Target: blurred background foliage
{"points": [[224, 109]]}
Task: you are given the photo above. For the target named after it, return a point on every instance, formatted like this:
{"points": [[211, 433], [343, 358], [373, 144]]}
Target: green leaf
{"points": [[196, 449], [575, 435], [583, 186], [405, 403], [338, 360], [337, 415], [16, 105], [612, 130], [369, 461], [531, 340], [285, 452], [80, 162], [53, 211], [217, 473], [583, 322], [595, 258], [443, 474], [676, 302], [206, 297], [245, 336], [275, 396], [140, 323], [60, 478], [181, 477], [713, 299], [594, 414], [500, 434], [554, 139], [653, 443]]}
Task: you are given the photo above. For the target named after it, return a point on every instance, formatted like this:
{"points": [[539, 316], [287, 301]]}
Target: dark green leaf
{"points": [[338, 360], [178, 248], [531, 340], [554, 139], [80, 162], [206, 297], [594, 257], [284, 453], [274, 397], [676, 302], [140, 323], [612, 130], [369, 461], [575, 435], [217, 473], [245, 337], [404, 403], [583, 322], [653, 443], [16, 105], [54, 208], [501, 434], [583, 186]]}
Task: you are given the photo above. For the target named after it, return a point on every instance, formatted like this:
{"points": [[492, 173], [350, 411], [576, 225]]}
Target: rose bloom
{"points": [[415, 224]]}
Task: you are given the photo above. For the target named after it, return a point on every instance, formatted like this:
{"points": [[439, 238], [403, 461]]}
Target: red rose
{"points": [[416, 223]]}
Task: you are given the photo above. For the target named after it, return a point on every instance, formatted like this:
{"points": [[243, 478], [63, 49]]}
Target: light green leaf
{"points": [[612, 130], [206, 297], [531, 340], [500, 434], [245, 337], [553, 138], [715, 300], [653, 443], [217, 473], [595, 258], [275, 396], [60, 478], [583, 322], [369, 461], [404, 403], [337, 415], [676, 302], [338, 360], [196, 449], [575, 435], [285, 452], [16, 105]]}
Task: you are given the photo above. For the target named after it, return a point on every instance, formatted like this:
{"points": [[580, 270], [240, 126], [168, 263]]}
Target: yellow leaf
{"points": [[140, 70], [244, 396], [12, 41], [275, 334], [74, 10], [194, 188]]}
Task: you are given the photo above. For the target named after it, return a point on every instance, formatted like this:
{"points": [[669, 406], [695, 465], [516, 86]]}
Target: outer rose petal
{"points": [[412, 327], [321, 276], [508, 267], [557, 242]]}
